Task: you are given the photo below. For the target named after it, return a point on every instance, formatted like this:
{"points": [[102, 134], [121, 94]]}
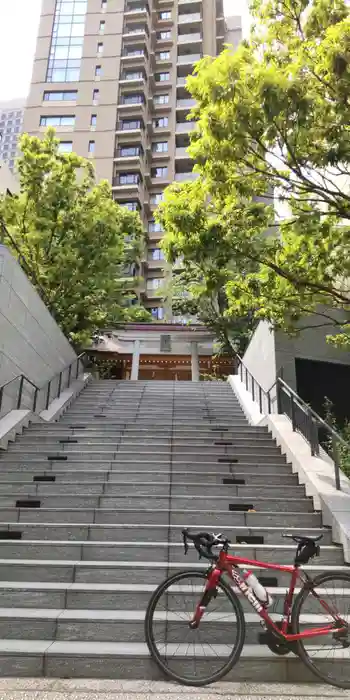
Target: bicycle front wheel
{"points": [[194, 656], [319, 605]]}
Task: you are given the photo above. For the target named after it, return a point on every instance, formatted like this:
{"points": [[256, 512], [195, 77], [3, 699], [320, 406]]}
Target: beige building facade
{"points": [[110, 76]]}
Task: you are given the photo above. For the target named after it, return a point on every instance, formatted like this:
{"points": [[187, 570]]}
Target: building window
{"points": [[66, 42], [161, 99], [98, 71], [159, 172], [103, 5], [165, 14], [154, 284], [162, 77], [133, 75], [95, 95], [65, 147], [129, 151], [157, 313], [160, 147], [132, 206], [91, 147], [129, 178], [157, 197], [160, 123], [58, 121], [134, 99], [157, 254], [102, 27], [128, 124], [56, 96], [100, 47], [163, 55], [163, 36], [154, 227], [93, 120]]}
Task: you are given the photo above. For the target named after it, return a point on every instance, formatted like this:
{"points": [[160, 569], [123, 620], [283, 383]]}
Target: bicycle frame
{"points": [[229, 564]]}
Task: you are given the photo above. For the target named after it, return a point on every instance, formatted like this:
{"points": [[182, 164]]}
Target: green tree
{"points": [[272, 146], [75, 244]]}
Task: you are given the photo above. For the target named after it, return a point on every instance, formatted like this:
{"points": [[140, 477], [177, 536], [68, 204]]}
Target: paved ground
{"points": [[55, 689]]}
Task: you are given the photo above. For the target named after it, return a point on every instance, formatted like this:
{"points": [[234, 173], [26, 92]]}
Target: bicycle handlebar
{"points": [[203, 542]]}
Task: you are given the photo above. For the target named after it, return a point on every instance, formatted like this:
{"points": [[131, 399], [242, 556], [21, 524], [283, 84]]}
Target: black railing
{"points": [[21, 393], [280, 398]]}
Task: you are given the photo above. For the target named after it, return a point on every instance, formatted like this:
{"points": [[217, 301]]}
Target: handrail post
{"points": [[69, 375], [260, 398], [241, 371], [246, 379], [77, 372], [20, 392], [1, 395], [59, 385], [278, 394], [292, 411], [336, 460], [269, 402], [48, 395], [35, 399], [253, 389]]}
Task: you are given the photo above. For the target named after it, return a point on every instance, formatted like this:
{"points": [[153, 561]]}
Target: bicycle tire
{"points": [[305, 654], [150, 639]]}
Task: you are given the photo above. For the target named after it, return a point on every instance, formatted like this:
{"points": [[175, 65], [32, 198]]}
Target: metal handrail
{"points": [[307, 424], [47, 386]]}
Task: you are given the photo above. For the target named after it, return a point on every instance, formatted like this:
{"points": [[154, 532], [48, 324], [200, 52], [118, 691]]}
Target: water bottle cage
{"points": [[305, 552]]}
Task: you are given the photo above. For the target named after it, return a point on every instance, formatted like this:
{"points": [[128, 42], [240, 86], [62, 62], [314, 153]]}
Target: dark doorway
{"points": [[317, 381]]}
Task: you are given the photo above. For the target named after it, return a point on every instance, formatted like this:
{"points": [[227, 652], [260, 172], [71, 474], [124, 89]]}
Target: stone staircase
{"points": [[91, 513]]}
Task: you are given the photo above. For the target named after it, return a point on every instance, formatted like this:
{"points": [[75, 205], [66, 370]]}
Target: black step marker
{"points": [[57, 458], [77, 427], [228, 460], [249, 539], [68, 441], [28, 504], [240, 507], [223, 442], [10, 535], [98, 415], [44, 477], [240, 482], [268, 581]]}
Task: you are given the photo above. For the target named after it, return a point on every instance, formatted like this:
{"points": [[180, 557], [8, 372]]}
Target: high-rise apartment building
{"points": [[11, 119], [110, 76]]}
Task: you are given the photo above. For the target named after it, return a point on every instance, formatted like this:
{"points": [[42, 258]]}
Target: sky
{"points": [[17, 47]]}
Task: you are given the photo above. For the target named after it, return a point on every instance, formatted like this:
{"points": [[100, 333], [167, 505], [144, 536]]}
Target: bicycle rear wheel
{"points": [[327, 656], [194, 656]]}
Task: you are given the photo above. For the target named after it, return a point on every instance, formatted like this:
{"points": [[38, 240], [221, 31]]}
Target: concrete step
{"points": [[162, 488], [57, 465], [108, 551], [140, 501], [63, 475], [139, 442], [97, 571], [35, 658], [76, 625], [150, 533], [114, 596]]}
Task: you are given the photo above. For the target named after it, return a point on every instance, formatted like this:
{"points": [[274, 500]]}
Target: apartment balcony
{"points": [[192, 38], [134, 136], [184, 127], [132, 157], [136, 59], [131, 189], [181, 81], [132, 109], [183, 177], [182, 153], [137, 13], [186, 104], [153, 293], [155, 236], [190, 18], [132, 82], [188, 59]]}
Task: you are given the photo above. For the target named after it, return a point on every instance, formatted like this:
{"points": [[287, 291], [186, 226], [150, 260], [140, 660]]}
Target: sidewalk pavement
{"points": [[57, 689]]}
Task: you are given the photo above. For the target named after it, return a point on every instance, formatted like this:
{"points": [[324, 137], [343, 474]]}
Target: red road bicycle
{"points": [[195, 624]]}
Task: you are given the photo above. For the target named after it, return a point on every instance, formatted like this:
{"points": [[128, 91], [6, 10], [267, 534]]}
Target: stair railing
{"points": [[20, 392], [282, 399]]}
